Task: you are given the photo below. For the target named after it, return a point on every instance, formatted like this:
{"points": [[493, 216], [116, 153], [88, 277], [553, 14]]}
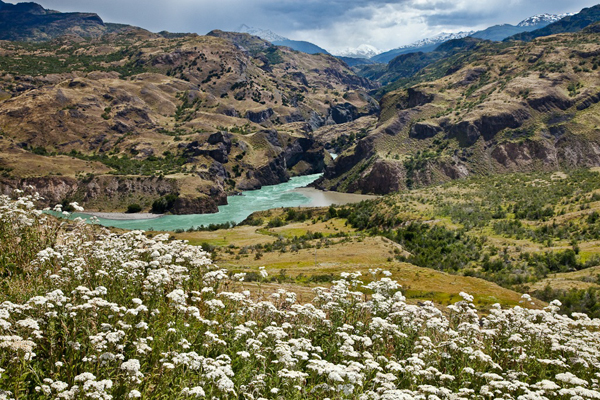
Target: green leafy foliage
{"points": [[125, 165], [273, 55], [37, 59], [134, 208], [165, 203], [574, 300]]}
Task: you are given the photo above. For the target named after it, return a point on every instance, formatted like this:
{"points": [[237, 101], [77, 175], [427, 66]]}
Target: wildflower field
{"points": [[89, 314]]}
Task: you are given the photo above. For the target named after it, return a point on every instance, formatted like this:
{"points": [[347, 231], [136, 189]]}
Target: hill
{"points": [[133, 116], [493, 109], [300, 45], [401, 70], [354, 61], [534, 233], [424, 46]]}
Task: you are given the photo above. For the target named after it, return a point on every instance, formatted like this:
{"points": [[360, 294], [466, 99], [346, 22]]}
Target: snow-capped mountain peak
{"points": [[265, 34], [542, 19], [440, 38], [362, 51]]}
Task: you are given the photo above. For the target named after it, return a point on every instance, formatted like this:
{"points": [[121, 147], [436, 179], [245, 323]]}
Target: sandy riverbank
{"points": [[320, 198], [117, 216]]}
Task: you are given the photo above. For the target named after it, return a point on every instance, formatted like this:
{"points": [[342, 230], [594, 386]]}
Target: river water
{"points": [[288, 194]]}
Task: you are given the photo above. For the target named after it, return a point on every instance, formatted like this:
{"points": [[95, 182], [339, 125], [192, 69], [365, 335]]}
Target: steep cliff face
{"points": [[197, 205], [108, 193], [520, 107], [382, 176]]}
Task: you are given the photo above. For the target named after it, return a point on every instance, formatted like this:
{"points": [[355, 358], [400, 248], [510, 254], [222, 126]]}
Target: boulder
{"points": [[259, 116]]}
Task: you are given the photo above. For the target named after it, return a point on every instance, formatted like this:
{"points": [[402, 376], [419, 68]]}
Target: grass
{"points": [[453, 230], [357, 254], [568, 280], [327, 228], [125, 165], [239, 236], [26, 164]]}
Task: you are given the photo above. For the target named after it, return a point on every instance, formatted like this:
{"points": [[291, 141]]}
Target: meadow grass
{"points": [[90, 314]]}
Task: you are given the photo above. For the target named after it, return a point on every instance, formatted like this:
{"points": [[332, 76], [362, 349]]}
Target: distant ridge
{"points": [[424, 45], [265, 34], [401, 70], [570, 23], [363, 51], [354, 61], [498, 33], [31, 22], [494, 33], [278, 40], [540, 19]]}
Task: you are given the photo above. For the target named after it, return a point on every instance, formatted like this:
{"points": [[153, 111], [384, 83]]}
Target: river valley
{"points": [[293, 193]]}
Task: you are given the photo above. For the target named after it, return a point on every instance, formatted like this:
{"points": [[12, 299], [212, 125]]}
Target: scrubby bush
{"points": [[275, 223], [164, 204], [134, 208]]}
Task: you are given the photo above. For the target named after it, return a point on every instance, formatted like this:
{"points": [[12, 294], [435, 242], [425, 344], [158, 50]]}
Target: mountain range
{"points": [[495, 33], [570, 23], [31, 22], [363, 51], [423, 45], [130, 116], [109, 114], [359, 55], [278, 40], [540, 19]]}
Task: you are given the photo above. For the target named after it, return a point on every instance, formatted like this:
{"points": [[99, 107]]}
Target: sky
{"points": [[332, 24]]}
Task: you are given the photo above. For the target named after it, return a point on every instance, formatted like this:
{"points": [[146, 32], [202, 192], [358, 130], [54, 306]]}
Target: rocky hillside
{"points": [[404, 69], [497, 108], [212, 115]]}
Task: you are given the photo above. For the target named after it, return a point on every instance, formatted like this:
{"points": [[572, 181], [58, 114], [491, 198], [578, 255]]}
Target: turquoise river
{"points": [[289, 194]]}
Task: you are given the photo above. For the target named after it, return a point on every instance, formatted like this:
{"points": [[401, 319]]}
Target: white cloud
{"points": [[332, 24], [395, 24]]}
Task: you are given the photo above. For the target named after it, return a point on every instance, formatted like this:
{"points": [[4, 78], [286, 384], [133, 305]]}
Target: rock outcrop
{"points": [[196, 205], [259, 116]]}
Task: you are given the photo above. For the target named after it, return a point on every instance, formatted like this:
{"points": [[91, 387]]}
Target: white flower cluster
{"points": [[128, 316]]}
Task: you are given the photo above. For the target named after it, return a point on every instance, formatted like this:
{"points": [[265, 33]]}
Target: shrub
{"points": [[275, 223], [164, 204], [134, 208]]}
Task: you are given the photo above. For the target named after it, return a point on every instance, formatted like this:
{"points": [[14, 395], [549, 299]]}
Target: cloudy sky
{"points": [[331, 24]]}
